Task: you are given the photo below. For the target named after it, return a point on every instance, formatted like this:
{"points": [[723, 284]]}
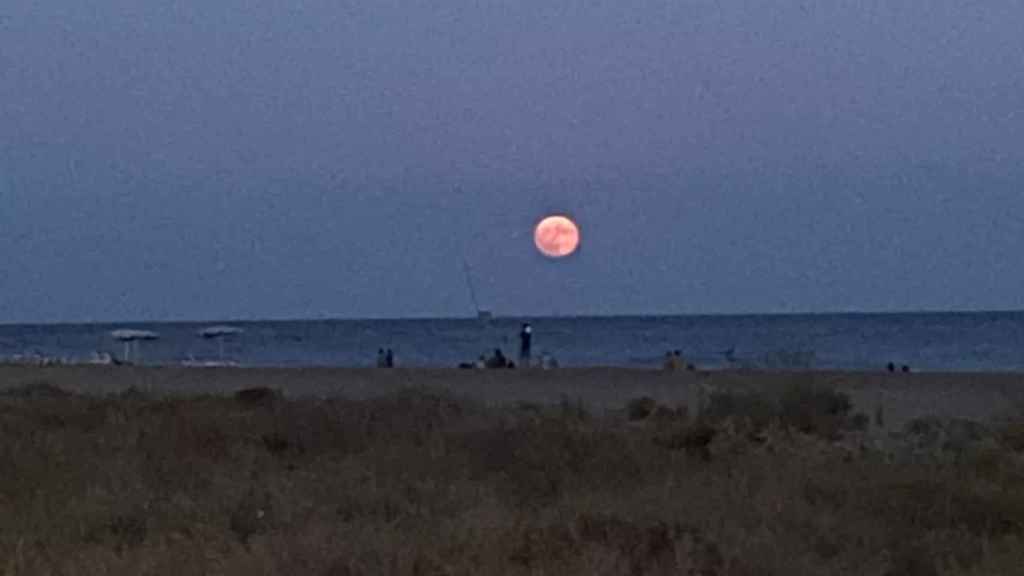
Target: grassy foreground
{"points": [[420, 482]]}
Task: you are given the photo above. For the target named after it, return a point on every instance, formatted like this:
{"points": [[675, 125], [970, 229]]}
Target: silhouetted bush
{"points": [[818, 411], [640, 408], [260, 396], [801, 408], [38, 389]]}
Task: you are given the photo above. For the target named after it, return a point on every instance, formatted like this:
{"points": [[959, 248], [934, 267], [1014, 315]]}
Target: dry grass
{"points": [[424, 483]]}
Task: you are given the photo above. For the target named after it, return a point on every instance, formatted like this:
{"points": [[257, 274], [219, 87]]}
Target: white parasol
{"points": [[220, 332], [130, 337]]}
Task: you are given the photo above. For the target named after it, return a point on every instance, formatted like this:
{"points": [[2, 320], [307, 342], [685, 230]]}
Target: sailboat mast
{"points": [[469, 284]]}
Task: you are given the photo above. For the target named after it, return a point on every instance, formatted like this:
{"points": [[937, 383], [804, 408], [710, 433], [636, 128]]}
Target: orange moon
{"points": [[556, 236]]}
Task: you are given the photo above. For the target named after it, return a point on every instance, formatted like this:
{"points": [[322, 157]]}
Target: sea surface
{"points": [[985, 341]]}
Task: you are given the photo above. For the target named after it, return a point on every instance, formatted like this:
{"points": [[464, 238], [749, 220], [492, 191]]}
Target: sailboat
{"points": [[481, 314]]}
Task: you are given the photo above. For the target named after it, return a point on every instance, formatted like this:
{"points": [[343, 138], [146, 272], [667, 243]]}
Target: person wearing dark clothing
{"points": [[389, 359], [381, 359], [497, 360], [525, 344]]}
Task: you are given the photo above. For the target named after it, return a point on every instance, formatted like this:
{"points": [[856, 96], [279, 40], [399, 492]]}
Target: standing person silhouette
{"points": [[525, 344]]}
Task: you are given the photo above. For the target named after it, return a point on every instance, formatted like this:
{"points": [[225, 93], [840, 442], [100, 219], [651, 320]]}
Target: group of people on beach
{"points": [[385, 359], [498, 360], [674, 362]]}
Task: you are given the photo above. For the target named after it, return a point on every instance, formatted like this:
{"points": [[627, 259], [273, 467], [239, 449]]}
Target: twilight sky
{"points": [[164, 160]]}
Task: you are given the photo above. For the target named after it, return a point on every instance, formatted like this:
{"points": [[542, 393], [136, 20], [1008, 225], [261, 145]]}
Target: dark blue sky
{"points": [[253, 159]]}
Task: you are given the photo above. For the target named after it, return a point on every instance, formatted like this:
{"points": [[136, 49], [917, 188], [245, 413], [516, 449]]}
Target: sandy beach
{"points": [[974, 396]]}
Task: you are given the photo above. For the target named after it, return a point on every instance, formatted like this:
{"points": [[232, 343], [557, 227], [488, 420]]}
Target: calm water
{"points": [[974, 341]]}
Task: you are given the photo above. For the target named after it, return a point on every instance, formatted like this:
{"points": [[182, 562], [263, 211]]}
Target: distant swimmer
{"points": [[525, 344]]}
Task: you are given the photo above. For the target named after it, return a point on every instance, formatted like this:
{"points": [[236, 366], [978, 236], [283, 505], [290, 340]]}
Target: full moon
{"points": [[556, 236]]}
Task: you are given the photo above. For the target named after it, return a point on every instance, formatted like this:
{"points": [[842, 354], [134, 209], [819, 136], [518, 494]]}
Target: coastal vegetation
{"points": [[422, 482]]}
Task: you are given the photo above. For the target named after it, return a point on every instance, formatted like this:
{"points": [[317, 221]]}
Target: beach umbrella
{"points": [[131, 336], [220, 332]]}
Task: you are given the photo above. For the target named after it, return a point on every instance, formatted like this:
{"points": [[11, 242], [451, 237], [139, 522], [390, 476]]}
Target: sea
{"points": [[976, 341]]}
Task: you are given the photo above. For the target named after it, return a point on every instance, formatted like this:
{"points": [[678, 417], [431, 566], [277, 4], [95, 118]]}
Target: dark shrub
{"points": [[754, 409], [640, 408], [1012, 436], [38, 389], [694, 440], [260, 396], [818, 411]]}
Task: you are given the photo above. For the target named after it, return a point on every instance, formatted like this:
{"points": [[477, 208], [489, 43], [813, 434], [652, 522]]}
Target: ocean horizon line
{"points": [[523, 317]]}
